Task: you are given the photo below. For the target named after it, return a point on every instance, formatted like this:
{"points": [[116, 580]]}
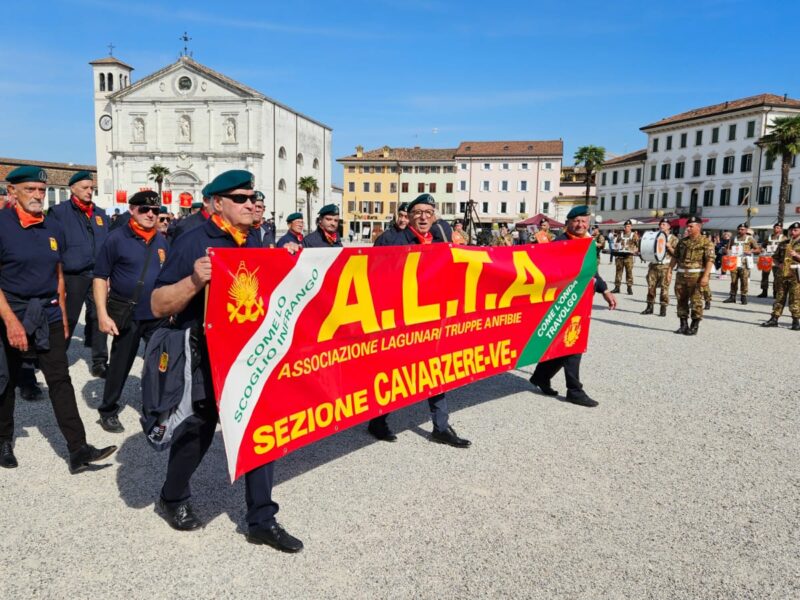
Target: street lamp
{"points": [[656, 213], [749, 212]]}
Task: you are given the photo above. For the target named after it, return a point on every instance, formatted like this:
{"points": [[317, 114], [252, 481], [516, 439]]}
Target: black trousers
{"points": [[79, 291], [440, 415], [186, 454], [123, 352], [571, 364], [53, 363]]}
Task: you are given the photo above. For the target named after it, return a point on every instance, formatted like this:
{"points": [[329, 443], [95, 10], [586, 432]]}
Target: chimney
{"points": [[386, 152], [416, 147], [784, 97], [359, 151]]}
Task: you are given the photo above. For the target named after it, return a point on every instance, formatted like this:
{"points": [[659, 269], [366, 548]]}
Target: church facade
{"points": [[198, 123]]}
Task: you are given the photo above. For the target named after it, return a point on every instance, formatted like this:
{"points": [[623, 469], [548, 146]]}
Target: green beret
{"points": [[144, 198], [403, 207], [259, 196], [163, 210], [204, 192], [578, 211], [328, 209], [426, 199], [294, 217], [698, 220], [80, 176], [26, 174], [230, 180], [197, 205]]}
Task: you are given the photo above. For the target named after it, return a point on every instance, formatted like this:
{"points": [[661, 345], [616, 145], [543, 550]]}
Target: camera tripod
{"points": [[471, 219]]}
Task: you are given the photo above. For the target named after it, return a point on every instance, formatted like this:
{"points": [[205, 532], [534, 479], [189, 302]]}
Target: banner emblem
{"points": [[573, 332], [163, 362], [244, 292]]}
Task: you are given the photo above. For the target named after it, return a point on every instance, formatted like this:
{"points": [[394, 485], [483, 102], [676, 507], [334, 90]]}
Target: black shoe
{"points": [[773, 322], [615, 290], [449, 437], [80, 459], [180, 516], [275, 536], [663, 312], [581, 399], [7, 458], [729, 300], [684, 327], [648, 309], [630, 290], [31, 392], [99, 371], [708, 305], [543, 387], [111, 424], [795, 324], [744, 299], [693, 327], [763, 294], [383, 434]]}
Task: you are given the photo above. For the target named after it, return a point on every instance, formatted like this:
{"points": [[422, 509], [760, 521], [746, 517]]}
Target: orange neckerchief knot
{"points": [[238, 237], [27, 219], [572, 236], [422, 238], [86, 209], [146, 234], [331, 237]]}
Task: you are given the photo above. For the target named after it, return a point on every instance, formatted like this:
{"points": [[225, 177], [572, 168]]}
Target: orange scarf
{"points": [[146, 234], [422, 238], [331, 237], [572, 236], [86, 209], [27, 219], [238, 237]]}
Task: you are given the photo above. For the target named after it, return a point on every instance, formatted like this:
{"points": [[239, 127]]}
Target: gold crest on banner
{"points": [[246, 304], [573, 332]]}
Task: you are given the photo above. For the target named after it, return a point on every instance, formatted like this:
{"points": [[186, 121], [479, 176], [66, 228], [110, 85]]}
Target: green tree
{"points": [[157, 173], [591, 157], [309, 186], [783, 140]]}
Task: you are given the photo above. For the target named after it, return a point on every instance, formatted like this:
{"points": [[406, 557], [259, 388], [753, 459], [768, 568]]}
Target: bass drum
{"points": [[653, 247]]}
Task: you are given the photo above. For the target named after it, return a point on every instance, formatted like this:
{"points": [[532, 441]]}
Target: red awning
{"points": [[536, 219]]}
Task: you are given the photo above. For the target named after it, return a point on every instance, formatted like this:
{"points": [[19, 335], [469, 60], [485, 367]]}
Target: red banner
{"points": [[304, 346], [166, 197], [122, 197], [185, 200]]}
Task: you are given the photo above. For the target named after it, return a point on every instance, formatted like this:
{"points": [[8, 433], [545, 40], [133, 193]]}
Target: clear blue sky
{"points": [[407, 72]]}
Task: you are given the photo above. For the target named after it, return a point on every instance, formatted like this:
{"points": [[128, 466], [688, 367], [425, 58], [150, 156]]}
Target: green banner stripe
{"points": [[559, 313]]}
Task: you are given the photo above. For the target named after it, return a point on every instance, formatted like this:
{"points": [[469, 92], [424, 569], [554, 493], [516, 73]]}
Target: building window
{"points": [[300, 159], [485, 186], [765, 194], [404, 187], [484, 207], [696, 168], [664, 199], [603, 178], [770, 162], [503, 208], [655, 144], [110, 82], [625, 176], [678, 199], [487, 167], [448, 188], [282, 185], [788, 195], [698, 137], [613, 203], [393, 188], [683, 140], [715, 135], [463, 166], [727, 165], [351, 186], [392, 207], [102, 82], [651, 201], [523, 186], [505, 167], [751, 129], [351, 169], [638, 175], [462, 185], [679, 168], [432, 188], [420, 188], [669, 142], [377, 187], [614, 178], [746, 163], [711, 166], [545, 207], [282, 153], [366, 186], [504, 186], [548, 166], [351, 206], [624, 201], [546, 186], [523, 207], [731, 132], [524, 166], [744, 196], [725, 197], [665, 168], [652, 172], [708, 197], [602, 203], [636, 201], [379, 207]]}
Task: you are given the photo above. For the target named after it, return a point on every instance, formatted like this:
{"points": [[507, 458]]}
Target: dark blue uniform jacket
{"points": [[83, 237]]}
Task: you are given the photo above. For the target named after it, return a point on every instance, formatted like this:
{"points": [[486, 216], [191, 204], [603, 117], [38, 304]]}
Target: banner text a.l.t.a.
{"points": [[305, 345]]}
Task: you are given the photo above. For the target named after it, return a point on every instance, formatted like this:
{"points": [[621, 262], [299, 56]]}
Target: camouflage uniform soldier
{"points": [[772, 245], [627, 245], [743, 246], [706, 290], [599, 241], [788, 257], [658, 274], [694, 257]]}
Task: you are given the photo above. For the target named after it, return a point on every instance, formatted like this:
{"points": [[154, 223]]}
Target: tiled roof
{"points": [[110, 60], [727, 107], [58, 174], [638, 156], [403, 154], [533, 148]]}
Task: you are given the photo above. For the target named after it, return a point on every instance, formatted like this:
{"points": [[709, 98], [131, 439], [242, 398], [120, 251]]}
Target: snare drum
{"points": [[765, 264], [730, 263], [653, 247]]}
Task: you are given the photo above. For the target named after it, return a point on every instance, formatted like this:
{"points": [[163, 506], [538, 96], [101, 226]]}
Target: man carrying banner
{"points": [[326, 235], [577, 227], [388, 237], [180, 291], [422, 215], [295, 233]]}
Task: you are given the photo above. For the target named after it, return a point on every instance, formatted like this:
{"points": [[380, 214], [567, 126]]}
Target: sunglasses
{"points": [[162, 219], [240, 198], [143, 210]]}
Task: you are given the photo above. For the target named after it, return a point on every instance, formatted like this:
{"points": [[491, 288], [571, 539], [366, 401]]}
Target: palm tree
{"points": [[784, 141], [591, 157], [157, 173], [309, 185]]}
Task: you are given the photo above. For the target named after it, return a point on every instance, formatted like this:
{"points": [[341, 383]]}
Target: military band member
{"points": [[706, 289], [627, 245], [295, 233], [771, 246], [85, 227], [398, 225], [787, 257], [459, 235], [34, 315], [503, 238], [658, 273], [544, 234], [326, 235], [599, 242], [694, 258], [576, 227], [422, 215], [741, 246], [180, 291], [119, 268]]}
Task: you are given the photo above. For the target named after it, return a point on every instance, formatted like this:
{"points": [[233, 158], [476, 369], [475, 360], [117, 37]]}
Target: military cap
{"points": [[259, 195], [778, 224], [80, 176], [328, 209], [741, 225], [230, 180], [426, 199], [204, 191], [197, 205], [403, 207], [628, 222], [694, 219], [144, 198], [543, 220], [664, 221], [578, 211], [26, 174], [795, 225], [163, 210], [294, 216]]}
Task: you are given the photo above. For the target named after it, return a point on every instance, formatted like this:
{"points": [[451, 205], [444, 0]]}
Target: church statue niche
{"points": [[230, 130], [185, 129], [138, 130]]}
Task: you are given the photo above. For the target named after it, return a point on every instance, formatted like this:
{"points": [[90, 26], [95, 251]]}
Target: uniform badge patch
{"points": [[99, 220], [162, 256], [163, 362], [53, 244], [573, 332]]}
